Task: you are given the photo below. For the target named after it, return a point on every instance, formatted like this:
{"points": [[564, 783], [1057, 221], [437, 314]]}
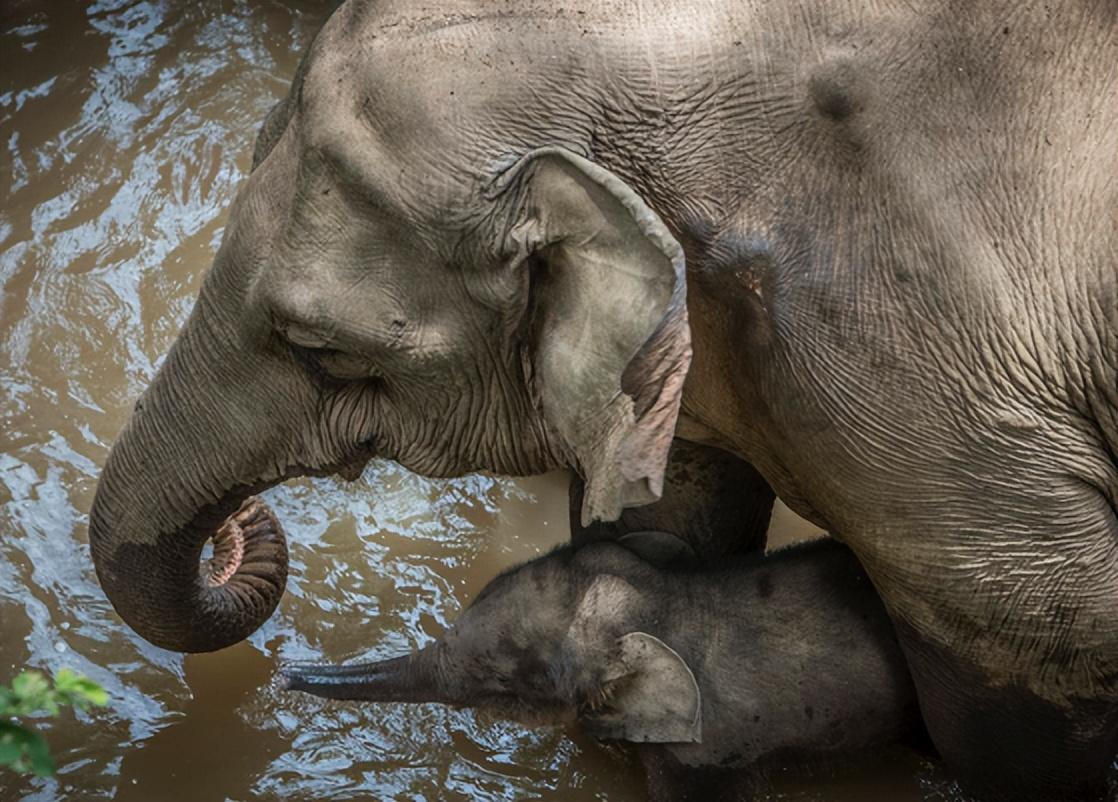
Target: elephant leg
{"points": [[1014, 650], [1005, 742], [715, 501]]}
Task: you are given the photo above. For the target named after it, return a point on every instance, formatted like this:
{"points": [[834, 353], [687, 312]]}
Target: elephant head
{"points": [[555, 640], [388, 286]]}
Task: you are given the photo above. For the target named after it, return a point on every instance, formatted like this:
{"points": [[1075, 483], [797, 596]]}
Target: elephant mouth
{"points": [[252, 536], [242, 519]]}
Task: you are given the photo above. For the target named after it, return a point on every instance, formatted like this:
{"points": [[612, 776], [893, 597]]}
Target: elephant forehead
{"points": [[608, 600], [384, 113]]}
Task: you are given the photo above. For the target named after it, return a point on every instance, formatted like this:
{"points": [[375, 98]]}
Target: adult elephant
{"points": [[463, 247]]}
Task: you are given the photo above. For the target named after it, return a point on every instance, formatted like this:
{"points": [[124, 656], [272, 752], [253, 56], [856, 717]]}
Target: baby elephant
{"points": [[767, 660]]}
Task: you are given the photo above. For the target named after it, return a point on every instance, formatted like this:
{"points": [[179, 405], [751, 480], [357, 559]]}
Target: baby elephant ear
{"points": [[652, 696], [610, 340]]}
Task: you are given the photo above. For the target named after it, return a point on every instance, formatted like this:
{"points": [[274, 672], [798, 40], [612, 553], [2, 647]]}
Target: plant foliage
{"points": [[31, 693]]}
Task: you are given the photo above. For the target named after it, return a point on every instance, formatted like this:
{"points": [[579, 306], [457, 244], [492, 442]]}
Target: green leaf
{"points": [[78, 690], [65, 678], [93, 693], [24, 750], [32, 692], [11, 743], [42, 764]]}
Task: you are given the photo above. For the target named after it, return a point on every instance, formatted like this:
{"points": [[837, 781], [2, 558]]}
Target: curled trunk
{"points": [[214, 427], [233, 410]]}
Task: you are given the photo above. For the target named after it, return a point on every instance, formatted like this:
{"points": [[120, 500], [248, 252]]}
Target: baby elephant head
{"points": [[554, 640]]}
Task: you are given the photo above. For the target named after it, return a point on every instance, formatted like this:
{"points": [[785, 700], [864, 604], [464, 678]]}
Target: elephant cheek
{"points": [[452, 428]]}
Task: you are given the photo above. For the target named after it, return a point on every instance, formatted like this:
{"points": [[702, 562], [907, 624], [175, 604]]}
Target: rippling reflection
{"points": [[125, 129]]}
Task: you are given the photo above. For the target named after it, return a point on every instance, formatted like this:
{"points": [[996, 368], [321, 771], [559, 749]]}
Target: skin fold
{"points": [[718, 673], [867, 249]]}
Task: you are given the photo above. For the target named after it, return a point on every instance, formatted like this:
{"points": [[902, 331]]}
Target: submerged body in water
{"points": [[760, 663]]}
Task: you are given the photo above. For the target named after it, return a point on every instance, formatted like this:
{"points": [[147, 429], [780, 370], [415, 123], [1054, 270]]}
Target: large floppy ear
{"points": [[651, 695], [610, 339]]}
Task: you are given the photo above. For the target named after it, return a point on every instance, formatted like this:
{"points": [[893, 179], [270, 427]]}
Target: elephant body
{"points": [[867, 248], [718, 673]]}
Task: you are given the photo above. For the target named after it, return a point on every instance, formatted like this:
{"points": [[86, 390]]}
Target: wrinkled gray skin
{"points": [[465, 246], [764, 662]]}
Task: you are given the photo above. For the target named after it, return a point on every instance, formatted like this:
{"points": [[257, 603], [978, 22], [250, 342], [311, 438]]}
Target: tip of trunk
{"points": [[164, 590], [401, 679]]}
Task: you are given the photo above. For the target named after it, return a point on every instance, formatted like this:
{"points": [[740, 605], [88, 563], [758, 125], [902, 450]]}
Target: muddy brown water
{"points": [[125, 130]]}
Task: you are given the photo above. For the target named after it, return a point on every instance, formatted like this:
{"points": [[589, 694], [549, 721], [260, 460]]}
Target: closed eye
{"points": [[346, 366], [311, 360], [331, 365]]}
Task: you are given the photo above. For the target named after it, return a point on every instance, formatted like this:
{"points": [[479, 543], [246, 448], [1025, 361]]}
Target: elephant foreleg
{"points": [[1005, 741], [1015, 652], [716, 502]]}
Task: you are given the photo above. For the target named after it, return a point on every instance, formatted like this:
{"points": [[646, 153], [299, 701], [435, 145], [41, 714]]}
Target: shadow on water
{"points": [[226, 753], [125, 129]]}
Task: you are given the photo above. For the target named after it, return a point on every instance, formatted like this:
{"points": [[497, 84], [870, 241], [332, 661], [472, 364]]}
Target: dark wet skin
{"points": [[793, 658]]}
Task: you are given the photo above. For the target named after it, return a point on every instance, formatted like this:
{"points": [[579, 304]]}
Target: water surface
{"points": [[125, 130]]}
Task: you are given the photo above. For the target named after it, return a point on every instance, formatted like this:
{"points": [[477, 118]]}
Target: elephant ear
{"points": [[610, 340], [651, 694]]}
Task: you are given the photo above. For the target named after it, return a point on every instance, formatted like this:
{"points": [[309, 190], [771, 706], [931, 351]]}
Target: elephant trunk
{"points": [[411, 678], [213, 427], [156, 579]]}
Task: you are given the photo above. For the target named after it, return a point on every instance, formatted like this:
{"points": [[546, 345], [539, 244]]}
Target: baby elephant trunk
{"points": [[411, 678]]}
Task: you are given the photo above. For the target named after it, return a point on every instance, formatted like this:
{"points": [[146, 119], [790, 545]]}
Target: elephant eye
{"points": [[345, 366], [333, 364], [503, 682]]}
